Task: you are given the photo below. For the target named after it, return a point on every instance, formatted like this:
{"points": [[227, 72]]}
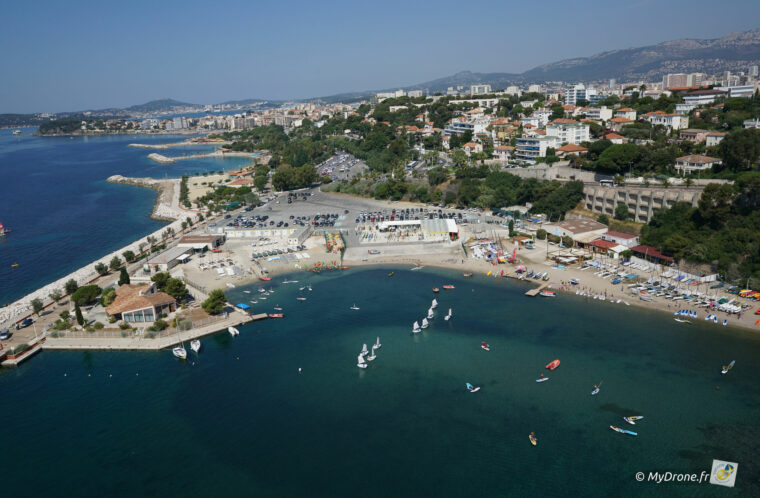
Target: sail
{"points": [[416, 325], [364, 349], [435, 303], [449, 311], [378, 342], [360, 359], [469, 386], [424, 322]]}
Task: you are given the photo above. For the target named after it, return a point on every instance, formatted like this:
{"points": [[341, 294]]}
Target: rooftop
{"points": [[135, 297], [696, 158], [620, 235], [581, 225]]}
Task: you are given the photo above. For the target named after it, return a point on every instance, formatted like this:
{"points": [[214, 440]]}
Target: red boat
{"points": [[553, 365], [216, 250], [265, 279], [448, 287], [436, 290], [485, 346], [276, 315]]}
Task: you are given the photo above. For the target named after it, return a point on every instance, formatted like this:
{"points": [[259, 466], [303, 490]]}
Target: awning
{"points": [[184, 257]]}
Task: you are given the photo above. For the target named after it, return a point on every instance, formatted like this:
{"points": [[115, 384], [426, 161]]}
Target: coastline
{"points": [[166, 207]]}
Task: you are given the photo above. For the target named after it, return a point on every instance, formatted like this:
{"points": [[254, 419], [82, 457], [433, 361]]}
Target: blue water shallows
{"points": [[240, 420], [62, 211]]}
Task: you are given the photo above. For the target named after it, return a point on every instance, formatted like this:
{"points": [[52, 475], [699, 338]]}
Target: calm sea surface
{"points": [[63, 213], [240, 420]]}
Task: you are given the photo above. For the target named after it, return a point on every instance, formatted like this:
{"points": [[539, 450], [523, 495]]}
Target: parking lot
{"points": [[341, 167]]}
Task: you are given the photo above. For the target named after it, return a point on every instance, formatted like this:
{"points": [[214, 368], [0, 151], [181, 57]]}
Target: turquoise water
{"points": [[242, 421], [62, 211]]}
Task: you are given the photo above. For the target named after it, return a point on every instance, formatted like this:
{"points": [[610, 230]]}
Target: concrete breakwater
{"points": [[166, 207], [184, 143], [162, 159]]}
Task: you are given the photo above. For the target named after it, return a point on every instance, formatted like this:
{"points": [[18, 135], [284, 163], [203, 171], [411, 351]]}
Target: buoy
{"points": [[299, 369], [65, 375]]}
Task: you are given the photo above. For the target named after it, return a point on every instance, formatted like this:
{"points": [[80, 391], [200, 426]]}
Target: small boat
{"points": [[416, 327], [231, 286], [485, 346], [372, 355], [417, 268], [309, 287], [725, 322], [365, 351], [533, 440], [355, 307], [542, 379], [728, 367], [468, 274], [195, 345], [553, 365], [377, 344], [682, 321], [265, 279], [448, 287], [246, 292], [548, 293], [233, 331], [545, 277], [180, 352], [424, 323], [472, 389], [262, 297], [632, 420], [360, 361], [302, 288], [391, 273], [622, 431], [277, 308], [276, 315], [17, 132], [434, 304], [300, 298], [436, 290], [448, 317], [430, 313]]}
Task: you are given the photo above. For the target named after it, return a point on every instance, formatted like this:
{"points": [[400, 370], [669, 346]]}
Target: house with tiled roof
{"points": [[241, 182], [626, 112], [714, 138], [503, 152], [615, 138], [472, 148], [140, 303], [695, 162], [617, 124], [567, 149]]}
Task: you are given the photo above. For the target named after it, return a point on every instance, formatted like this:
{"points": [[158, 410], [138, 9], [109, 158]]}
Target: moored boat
{"points": [[448, 287], [468, 274], [233, 331], [265, 279], [276, 315], [180, 352], [548, 293], [195, 345]]}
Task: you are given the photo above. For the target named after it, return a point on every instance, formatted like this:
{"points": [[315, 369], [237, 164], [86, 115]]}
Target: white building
{"points": [[702, 97], [714, 138], [414, 93], [568, 131], [599, 113], [621, 239], [752, 123], [535, 89], [530, 148], [626, 112], [479, 89], [695, 162], [575, 93]]}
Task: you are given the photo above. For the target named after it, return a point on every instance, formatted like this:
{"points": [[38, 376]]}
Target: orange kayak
{"points": [[553, 365]]}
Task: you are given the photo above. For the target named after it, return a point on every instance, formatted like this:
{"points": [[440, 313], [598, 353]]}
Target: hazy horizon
{"points": [[87, 55]]}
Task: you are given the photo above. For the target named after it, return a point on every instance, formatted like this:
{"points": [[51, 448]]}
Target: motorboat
{"points": [[233, 331], [195, 345], [265, 279], [468, 274], [436, 290], [300, 298], [276, 315], [448, 287], [632, 420], [548, 293]]}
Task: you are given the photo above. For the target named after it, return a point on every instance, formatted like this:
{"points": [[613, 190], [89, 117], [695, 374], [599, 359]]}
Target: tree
{"points": [[603, 219], [541, 234], [715, 203], [176, 288], [115, 263], [78, 314], [70, 286], [64, 314], [129, 256], [86, 295], [621, 211], [215, 302], [458, 157], [101, 268], [108, 297], [740, 149], [436, 176], [511, 228], [56, 295], [37, 305], [123, 277], [160, 279]]}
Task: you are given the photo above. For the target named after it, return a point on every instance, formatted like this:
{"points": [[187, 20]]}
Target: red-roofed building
{"points": [[242, 182], [651, 254], [566, 149], [472, 148], [626, 112], [618, 123], [614, 138]]}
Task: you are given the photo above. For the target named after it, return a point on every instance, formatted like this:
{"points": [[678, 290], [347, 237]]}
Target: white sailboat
{"points": [[360, 362], [377, 344], [416, 327], [365, 351], [372, 355], [434, 304], [424, 323], [448, 317], [195, 345], [430, 313], [355, 307], [180, 352], [233, 331]]}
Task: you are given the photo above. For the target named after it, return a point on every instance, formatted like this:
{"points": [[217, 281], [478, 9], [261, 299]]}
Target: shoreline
{"points": [[164, 207]]}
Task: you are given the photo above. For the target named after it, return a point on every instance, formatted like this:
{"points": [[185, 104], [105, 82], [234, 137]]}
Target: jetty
{"points": [[160, 158], [184, 143], [534, 292]]}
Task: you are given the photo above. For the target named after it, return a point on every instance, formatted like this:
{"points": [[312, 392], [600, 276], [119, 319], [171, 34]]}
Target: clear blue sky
{"points": [[75, 55]]}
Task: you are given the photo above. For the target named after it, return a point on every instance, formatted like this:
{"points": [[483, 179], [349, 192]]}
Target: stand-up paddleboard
{"points": [[632, 420], [623, 431], [542, 379]]}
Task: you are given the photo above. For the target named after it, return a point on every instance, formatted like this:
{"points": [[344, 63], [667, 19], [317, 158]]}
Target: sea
{"points": [[62, 212], [283, 411]]}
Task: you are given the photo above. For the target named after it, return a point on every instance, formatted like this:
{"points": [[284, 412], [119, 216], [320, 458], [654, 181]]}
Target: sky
{"points": [[76, 55]]}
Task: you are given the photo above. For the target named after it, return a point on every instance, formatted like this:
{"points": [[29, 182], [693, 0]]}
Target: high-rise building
{"points": [[479, 89], [753, 71], [695, 79], [612, 83], [575, 93], [535, 89], [675, 80]]}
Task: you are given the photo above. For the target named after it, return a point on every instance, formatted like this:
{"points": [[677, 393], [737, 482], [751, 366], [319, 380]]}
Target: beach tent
{"points": [[243, 306]]}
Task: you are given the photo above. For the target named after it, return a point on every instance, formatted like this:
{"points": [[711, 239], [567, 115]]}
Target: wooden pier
{"points": [[260, 316], [534, 292]]}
